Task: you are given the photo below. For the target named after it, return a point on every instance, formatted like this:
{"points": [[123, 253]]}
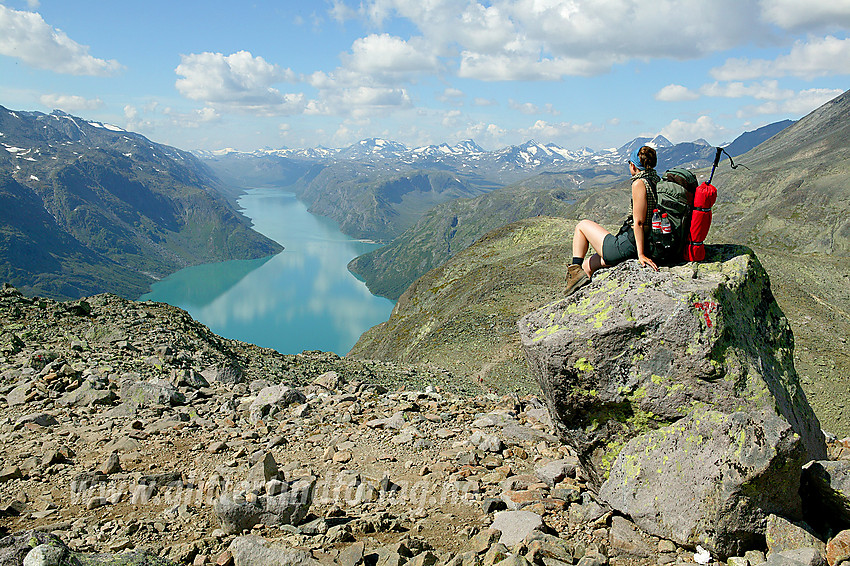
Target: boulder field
{"points": [[132, 435]]}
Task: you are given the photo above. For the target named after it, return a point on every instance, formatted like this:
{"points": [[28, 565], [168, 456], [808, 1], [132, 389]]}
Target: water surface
{"points": [[303, 298]]}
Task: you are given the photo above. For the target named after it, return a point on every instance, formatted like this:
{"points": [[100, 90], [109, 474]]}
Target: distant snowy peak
{"points": [[467, 155]]}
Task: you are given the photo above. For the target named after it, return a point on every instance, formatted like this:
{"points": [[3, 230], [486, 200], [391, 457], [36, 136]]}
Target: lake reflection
{"points": [[303, 298]]}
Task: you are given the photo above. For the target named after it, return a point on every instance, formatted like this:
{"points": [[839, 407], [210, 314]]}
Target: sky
{"points": [[578, 73]]}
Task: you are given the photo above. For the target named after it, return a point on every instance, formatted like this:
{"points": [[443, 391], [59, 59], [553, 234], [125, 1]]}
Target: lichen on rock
{"points": [[638, 357]]}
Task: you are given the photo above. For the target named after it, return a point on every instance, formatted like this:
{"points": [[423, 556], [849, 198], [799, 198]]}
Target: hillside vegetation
{"points": [[88, 208], [462, 315]]}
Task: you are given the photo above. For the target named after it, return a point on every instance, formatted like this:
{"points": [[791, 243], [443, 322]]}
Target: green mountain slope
{"points": [[101, 209], [453, 226], [462, 315], [372, 204], [794, 196]]}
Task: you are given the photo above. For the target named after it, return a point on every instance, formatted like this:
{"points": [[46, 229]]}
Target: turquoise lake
{"points": [[303, 298]]}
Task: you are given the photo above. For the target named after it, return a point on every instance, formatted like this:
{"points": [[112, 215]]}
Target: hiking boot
{"points": [[576, 279]]}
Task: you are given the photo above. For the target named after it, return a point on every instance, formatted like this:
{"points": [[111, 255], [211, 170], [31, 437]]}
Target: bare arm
{"points": [[639, 206]]}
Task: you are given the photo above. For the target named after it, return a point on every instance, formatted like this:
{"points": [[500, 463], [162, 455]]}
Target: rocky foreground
{"points": [[132, 435]]}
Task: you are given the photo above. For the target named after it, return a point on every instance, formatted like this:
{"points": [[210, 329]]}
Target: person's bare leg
{"points": [[592, 264], [580, 241], [589, 233]]}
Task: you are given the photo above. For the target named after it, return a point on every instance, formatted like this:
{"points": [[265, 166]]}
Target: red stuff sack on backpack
{"points": [[704, 198]]}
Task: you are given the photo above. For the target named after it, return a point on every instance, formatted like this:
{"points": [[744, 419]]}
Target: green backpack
{"points": [[674, 194]]}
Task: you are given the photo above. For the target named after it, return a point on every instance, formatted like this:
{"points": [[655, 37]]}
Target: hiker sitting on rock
{"points": [[631, 241]]}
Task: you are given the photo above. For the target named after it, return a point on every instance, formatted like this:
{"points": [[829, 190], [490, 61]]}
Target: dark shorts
{"points": [[619, 248]]}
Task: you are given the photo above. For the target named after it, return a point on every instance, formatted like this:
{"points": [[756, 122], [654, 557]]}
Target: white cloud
{"points": [[26, 36], [679, 131], [818, 57], [151, 117], [675, 93], [799, 105], [525, 66], [70, 103], [239, 82], [765, 90], [544, 130], [488, 135], [344, 92], [208, 115], [484, 102], [451, 119], [340, 12], [452, 96], [375, 96], [531, 108], [811, 14], [377, 54], [524, 107], [549, 39]]}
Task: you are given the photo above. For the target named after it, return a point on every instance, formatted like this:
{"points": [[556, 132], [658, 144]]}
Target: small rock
{"points": [[264, 470], [514, 560], [781, 535], [838, 548], [426, 558], [516, 525], [557, 470], [10, 473], [342, 456], [45, 555], [256, 551], [486, 442], [352, 555], [493, 504], [142, 494], [40, 419], [112, 465], [96, 502], [797, 557], [627, 540]]}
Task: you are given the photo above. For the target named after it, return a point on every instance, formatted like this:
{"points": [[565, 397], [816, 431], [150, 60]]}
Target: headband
{"points": [[635, 159]]}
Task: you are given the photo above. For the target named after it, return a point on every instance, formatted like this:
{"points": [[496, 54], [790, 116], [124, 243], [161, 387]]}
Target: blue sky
{"points": [[597, 73]]}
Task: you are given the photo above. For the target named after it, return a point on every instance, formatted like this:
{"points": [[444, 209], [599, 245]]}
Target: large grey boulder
{"points": [[90, 392], [710, 479], [640, 359], [252, 550], [638, 349], [151, 393], [229, 374], [272, 399], [237, 513]]}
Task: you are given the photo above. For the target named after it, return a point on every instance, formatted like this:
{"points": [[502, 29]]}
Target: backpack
{"points": [[674, 194]]}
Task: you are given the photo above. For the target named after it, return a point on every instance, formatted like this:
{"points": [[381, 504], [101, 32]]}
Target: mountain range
{"points": [[377, 189], [87, 207], [502, 166]]}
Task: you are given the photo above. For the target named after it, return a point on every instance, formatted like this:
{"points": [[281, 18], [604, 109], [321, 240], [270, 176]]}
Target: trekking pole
{"points": [[716, 162], [720, 151]]}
